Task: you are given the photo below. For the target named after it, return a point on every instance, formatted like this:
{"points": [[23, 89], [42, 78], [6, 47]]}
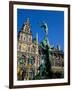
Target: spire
{"points": [[36, 43], [27, 20], [37, 38], [26, 26], [58, 47]]}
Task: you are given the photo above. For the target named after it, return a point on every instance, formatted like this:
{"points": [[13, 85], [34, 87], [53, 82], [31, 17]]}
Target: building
{"points": [[27, 53], [57, 62]]}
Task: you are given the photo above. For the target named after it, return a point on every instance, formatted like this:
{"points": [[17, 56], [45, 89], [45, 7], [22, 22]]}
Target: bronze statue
{"points": [[45, 62]]}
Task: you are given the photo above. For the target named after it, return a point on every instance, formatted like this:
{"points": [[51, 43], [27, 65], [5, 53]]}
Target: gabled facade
{"points": [[27, 54]]}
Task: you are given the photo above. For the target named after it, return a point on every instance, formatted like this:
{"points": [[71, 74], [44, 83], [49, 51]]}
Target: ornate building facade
{"points": [[57, 59], [27, 54]]}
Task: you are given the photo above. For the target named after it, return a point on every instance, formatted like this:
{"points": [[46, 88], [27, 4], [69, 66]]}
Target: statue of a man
{"points": [[46, 52]]}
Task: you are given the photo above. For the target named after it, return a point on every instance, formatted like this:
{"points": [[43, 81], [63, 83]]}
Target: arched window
{"points": [[29, 39], [21, 36], [58, 62], [22, 60], [24, 39], [31, 60], [31, 73], [28, 48]]}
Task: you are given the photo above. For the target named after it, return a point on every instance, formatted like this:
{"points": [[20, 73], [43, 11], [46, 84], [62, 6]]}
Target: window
{"points": [[28, 48], [20, 36], [29, 39], [58, 62], [31, 75], [22, 59], [24, 38], [31, 60]]}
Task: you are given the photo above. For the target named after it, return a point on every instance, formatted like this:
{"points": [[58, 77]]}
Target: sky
{"points": [[54, 20]]}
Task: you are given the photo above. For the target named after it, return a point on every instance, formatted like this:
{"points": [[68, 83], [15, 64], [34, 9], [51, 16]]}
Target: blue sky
{"points": [[54, 19]]}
